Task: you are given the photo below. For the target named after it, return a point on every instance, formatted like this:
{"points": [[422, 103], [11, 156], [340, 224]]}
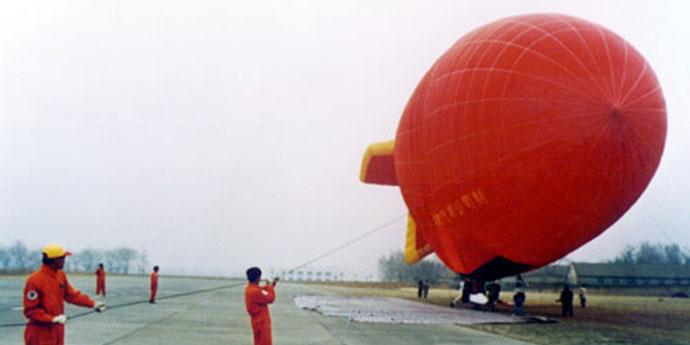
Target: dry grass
{"points": [[606, 320]]}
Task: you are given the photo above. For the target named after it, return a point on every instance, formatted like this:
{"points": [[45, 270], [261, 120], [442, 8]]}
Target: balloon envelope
{"points": [[528, 138]]}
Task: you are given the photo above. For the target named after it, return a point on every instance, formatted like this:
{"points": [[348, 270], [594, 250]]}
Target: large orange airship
{"points": [[528, 138]]}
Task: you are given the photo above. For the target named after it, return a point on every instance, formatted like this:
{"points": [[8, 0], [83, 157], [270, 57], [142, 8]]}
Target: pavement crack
{"points": [[134, 331], [328, 330]]}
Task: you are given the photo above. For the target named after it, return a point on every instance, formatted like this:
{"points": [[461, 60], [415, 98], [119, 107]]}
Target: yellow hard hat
{"points": [[53, 251]]}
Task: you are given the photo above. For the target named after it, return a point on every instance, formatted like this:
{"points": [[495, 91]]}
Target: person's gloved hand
{"points": [[61, 319], [99, 307]]}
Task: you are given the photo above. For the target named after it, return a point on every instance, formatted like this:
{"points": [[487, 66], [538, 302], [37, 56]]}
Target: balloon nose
{"points": [[616, 112]]}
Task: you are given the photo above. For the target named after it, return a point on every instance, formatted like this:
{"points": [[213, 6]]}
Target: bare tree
{"points": [[5, 259], [393, 268], [110, 261], [626, 256], [124, 257], [20, 256], [653, 254], [90, 258], [143, 263], [33, 260], [673, 254]]}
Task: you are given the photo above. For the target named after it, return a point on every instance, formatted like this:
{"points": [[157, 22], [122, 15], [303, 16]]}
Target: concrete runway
{"points": [[219, 317]]}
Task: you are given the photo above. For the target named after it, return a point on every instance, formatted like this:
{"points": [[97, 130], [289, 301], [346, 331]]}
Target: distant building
{"points": [[635, 275], [607, 275], [547, 277], [309, 274]]}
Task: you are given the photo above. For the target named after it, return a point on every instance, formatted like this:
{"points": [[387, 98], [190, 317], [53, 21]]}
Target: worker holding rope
{"points": [[257, 299], [45, 294], [256, 308]]}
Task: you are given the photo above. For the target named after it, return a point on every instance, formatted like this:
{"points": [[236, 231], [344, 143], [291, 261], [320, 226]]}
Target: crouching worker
{"points": [[45, 294], [257, 299]]}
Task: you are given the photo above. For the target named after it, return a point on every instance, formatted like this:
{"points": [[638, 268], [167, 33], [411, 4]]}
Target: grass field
{"points": [[606, 320]]}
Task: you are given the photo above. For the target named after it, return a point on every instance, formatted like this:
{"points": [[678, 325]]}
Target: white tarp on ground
{"points": [[396, 310]]}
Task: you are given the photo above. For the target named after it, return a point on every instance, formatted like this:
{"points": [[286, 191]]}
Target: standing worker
{"points": [[566, 300], [425, 290], [520, 282], [493, 292], [519, 301], [154, 285], [461, 289], [582, 293], [45, 293], [257, 298], [100, 280], [466, 290]]}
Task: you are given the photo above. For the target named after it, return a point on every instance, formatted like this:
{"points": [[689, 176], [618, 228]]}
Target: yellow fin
{"points": [[415, 246], [378, 165]]}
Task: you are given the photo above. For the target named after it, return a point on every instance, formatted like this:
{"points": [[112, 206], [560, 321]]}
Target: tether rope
{"points": [[230, 286]]}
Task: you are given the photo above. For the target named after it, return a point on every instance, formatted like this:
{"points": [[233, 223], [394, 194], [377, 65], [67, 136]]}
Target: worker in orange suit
{"points": [[100, 280], [45, 293], [154, 285], [257, 298]]}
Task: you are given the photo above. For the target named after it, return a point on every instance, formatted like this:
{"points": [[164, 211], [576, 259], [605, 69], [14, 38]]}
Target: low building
{"points": [[631, 275], [547, 277], [606, 275], [309, 274]]}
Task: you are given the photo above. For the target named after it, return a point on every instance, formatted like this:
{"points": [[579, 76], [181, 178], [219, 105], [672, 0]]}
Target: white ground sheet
{"points": [[395, 310]]}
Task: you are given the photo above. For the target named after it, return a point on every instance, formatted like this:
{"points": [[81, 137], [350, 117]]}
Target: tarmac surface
{"points": [[218, 317]]}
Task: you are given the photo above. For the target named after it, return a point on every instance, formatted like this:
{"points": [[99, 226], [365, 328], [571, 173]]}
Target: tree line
{"points": [[653, 254], [392, 268], [18, 258]]}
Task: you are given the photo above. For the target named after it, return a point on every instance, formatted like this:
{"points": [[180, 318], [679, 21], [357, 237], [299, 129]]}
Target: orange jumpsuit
{"points": [[100, 281], [154, 286], [257, 298], [44, 296]]}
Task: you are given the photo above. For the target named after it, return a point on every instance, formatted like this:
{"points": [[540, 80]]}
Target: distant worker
{"points": [[100, 280], [257, 298], [582, 293], [425, 289], [478, 286], [466, 290], [461, 289], [520, 282], [493, 291], [420, 289], [519, 302], [154, 285], [566, 300], [45, 294]]}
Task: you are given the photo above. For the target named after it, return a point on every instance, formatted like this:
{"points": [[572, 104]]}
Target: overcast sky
{"points": [[221, 134]]}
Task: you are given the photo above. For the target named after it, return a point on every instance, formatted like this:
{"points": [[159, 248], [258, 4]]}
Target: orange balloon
{"points": [[528, 138]]}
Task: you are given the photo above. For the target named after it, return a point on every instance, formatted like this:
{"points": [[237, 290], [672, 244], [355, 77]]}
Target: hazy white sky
{"points": [[221, 134]]}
